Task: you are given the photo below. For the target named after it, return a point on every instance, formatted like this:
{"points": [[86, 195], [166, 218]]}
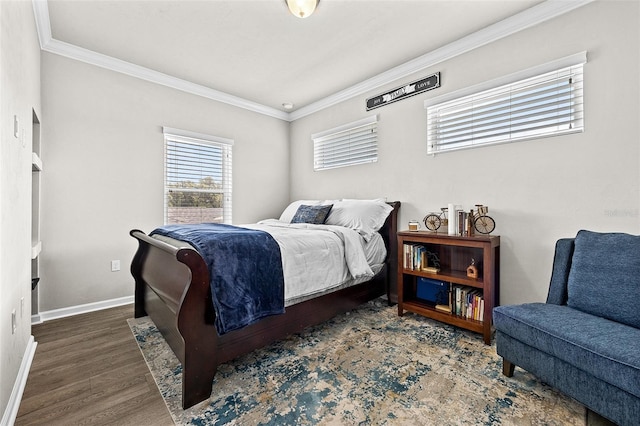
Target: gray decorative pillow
{"points": [[311, 214]]}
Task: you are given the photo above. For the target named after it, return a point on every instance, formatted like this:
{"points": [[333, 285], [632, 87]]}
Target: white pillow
{"points": [[374, 200], [363, 216]]}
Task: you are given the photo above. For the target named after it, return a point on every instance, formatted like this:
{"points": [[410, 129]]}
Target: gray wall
{"points": [[539, 190], [103, 149], [20, 96]]}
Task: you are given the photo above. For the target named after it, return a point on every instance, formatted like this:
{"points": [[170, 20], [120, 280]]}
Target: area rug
{"points": [[366, 367]]}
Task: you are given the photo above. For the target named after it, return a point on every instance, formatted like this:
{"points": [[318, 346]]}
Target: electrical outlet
{"points": [[115, 265], [13, 322]]}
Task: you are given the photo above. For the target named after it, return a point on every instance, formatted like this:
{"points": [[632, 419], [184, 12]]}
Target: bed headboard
{"points": [[389, 235]]}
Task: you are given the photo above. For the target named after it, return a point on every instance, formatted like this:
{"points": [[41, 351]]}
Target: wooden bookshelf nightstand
{"points": [[455, 254]]}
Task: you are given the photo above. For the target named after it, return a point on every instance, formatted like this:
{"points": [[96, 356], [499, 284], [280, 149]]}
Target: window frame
{"points": [[188, 137], [502, 84], [363, 132]]}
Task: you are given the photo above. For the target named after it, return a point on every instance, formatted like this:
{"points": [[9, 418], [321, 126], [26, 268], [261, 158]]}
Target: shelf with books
{"points": [[428, 258], [427, 309], [458, 277]]}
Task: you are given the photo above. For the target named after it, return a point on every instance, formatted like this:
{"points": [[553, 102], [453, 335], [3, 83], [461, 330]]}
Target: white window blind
{"points": [[197, 184], [346, 145], [545, 104]]}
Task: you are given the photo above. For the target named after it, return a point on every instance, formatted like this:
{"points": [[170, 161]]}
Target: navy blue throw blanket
{"points": [[245, 270]]}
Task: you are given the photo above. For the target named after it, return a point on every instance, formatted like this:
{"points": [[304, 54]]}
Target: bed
{"points": [[173, 288]]}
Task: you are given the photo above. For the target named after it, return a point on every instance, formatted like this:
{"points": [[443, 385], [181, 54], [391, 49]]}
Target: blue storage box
{"points": [[434, 291]]}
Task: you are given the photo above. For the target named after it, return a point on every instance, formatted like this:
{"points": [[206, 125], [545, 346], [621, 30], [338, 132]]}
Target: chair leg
{"points": [[507, 367]]}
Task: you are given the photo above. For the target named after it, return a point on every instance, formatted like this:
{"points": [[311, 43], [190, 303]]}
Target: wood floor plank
{"points": [[43, 400], [88, 370]]}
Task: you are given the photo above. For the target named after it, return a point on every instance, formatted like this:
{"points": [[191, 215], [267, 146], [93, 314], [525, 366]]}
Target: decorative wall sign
{"points": [[403, 92]]}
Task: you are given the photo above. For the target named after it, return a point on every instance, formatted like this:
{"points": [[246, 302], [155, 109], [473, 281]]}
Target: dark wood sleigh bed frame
{"points": [[172, 288]]}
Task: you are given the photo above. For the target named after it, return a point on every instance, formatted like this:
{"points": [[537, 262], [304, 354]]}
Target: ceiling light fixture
{"points": [[287, 105], [302, 8]]}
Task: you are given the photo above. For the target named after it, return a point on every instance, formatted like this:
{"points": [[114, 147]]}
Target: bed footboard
{"points": [[172, 288]]}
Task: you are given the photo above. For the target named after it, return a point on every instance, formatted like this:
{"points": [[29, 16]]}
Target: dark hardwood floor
{"points": [[88, 370]]}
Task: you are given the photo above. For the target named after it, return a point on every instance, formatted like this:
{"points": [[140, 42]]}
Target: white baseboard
{"points": [[80, 309], [11, 411]]}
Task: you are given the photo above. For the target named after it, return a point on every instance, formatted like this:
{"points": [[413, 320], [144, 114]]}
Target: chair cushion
{"points": [[607, 350], [605, 276]]}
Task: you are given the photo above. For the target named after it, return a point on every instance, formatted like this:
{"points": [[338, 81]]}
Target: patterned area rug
{"points": [[365, 367]]}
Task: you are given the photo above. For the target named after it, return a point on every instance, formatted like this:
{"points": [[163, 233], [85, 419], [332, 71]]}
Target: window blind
{"points": [[548, 104], [197, 177], [346, 145]]}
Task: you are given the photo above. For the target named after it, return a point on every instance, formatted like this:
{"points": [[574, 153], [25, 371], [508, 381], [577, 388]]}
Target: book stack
{"points": [[468, 302], [416, 258]]}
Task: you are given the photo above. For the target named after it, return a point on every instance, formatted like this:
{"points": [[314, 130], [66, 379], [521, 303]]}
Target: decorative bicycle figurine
{"points": [[482, 222], [433, 221]]}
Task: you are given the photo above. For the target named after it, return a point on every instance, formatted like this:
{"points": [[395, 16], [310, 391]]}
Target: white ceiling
{"points": [[255, 50]]}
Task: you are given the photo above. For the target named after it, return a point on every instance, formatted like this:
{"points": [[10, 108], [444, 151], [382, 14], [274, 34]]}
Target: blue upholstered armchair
{"points": [[585, 340]]}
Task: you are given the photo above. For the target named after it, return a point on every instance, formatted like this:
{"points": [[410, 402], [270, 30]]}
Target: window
{"points": [[346, 145], [197, 186], [543, 101]]}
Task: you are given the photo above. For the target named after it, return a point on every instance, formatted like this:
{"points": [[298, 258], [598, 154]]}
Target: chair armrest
{"points": [[560, 274]]}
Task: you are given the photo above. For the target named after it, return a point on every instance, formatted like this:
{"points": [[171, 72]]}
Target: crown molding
{"points": [[528, 18], [90, 57], [51, 45], [43, 23]]}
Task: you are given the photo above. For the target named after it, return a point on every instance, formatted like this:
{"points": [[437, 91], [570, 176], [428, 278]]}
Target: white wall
{"points": [[103, 155], [19, 96], [538, 191], [102, 149]]}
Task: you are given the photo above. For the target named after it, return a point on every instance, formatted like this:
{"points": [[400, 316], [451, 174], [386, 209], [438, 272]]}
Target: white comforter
{"points": [[319, 257]]}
